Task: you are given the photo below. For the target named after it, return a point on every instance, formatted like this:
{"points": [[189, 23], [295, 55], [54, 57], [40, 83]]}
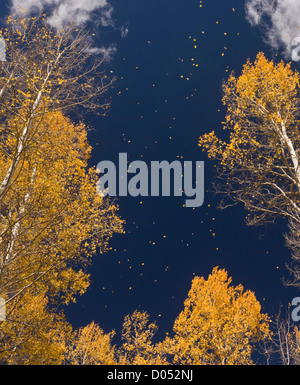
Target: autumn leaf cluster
{"points": [[52, 221], [220, 324], [257, 154]]}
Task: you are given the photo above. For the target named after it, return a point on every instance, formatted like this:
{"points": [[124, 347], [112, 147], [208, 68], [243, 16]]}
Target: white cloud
{"points": [[279, 20], [106, 52], [64, 12]]}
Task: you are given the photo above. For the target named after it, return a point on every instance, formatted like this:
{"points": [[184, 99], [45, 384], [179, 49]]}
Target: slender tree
{"points": [[220, 324], [259, 159], [138, 347], [45, 71], [284, 346], [90, 346], [51, 219], [49, 209]]}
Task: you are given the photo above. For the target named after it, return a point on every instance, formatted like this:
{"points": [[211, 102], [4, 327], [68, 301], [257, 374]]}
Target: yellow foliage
{"points": [[258, 152], [58, 214], [31, 334], [91, 346], [52, 221], [262, 98], [220, 323], [138, 348]]}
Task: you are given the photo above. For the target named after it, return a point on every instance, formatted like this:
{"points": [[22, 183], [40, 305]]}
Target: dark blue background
{"points": [[141, 123], [254, 257]]}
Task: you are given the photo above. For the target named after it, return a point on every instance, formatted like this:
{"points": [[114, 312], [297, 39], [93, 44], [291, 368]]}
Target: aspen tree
{"points": [[258, 154]]}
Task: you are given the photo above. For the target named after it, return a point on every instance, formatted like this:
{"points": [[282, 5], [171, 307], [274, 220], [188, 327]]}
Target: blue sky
{"points": [[170, 59]]}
